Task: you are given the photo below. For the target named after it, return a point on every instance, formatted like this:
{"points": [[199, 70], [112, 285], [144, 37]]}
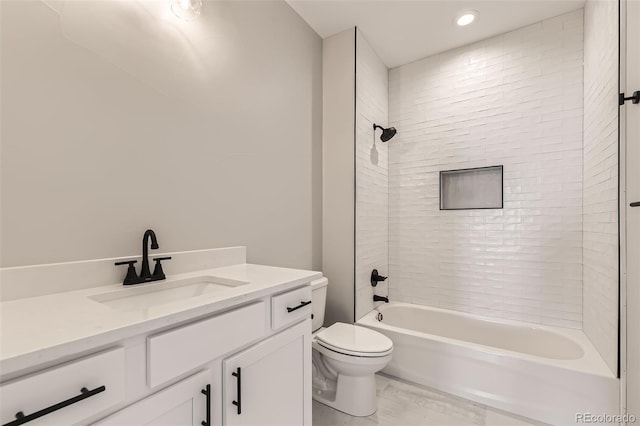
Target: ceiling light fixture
{"points": [[466, 17], [187, 10]]}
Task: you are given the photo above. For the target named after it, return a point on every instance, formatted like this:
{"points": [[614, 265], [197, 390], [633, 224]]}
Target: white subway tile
{"points": [[515, 100]]}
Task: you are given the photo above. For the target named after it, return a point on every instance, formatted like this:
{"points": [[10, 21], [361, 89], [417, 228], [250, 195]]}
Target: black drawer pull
{"points": [[238, 403], [85, 393], [301, 305], [635, 204], [207, 392]]}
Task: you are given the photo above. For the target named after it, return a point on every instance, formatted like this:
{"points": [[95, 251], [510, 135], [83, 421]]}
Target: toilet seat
{"points": [[353, 340]]}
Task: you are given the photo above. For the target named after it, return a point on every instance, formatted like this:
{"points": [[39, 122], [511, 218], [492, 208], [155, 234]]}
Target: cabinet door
{"points": [[270, 383], [181, 404]]}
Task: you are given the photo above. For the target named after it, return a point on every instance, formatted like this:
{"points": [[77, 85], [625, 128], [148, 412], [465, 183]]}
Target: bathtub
{"points": [[545, 373]]}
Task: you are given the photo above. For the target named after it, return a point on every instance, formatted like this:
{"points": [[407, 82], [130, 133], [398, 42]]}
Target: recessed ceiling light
{"points": [[466, 17], [187, 10]]}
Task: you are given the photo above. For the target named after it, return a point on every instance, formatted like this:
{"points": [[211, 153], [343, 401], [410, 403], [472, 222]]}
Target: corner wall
{"points": [[600, 197], [372, 175]]}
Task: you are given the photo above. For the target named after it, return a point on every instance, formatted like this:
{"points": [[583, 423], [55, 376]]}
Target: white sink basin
{"points": [[144, 296]]}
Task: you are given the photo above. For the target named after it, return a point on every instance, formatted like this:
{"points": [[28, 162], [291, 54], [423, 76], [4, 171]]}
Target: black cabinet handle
{"points": [[207, 392], [85, 393], [635, 204], [238, 403], [635, 98], [301, 305]]}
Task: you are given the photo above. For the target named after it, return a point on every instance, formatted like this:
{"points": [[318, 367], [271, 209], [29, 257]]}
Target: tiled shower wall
{"points": [[372, 218], [516, 100], [600, 251]]}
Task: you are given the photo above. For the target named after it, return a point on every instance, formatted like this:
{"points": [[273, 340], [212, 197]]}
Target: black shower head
{"points": [[386, 133]]}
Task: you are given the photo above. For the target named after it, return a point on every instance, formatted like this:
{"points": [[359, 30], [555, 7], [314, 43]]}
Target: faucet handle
{"points": [[376, 278], [158, 273], [132, 276]]}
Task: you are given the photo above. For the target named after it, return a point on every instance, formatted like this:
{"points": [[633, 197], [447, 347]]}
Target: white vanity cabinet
{"points": [[270, 382], [248, 363]]}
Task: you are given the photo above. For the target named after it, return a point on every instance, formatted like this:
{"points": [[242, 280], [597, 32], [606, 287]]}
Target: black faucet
{"points": [[145, 273], [377, 298]]}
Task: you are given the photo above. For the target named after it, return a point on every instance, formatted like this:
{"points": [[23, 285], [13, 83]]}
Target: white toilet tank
{"points": [[318, 301]]}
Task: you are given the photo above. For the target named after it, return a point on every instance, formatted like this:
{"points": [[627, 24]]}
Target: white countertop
{"points": [[39, 330]]}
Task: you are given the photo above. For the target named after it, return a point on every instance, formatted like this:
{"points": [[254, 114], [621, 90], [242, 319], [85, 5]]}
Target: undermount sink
{"points": [[144, 296]]}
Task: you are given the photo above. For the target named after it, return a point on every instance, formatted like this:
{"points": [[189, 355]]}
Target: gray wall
{"points": [[117, 117], [338, 76]]}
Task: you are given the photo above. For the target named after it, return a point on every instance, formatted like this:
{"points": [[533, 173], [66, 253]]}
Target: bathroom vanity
{"points": [[222, 345]]}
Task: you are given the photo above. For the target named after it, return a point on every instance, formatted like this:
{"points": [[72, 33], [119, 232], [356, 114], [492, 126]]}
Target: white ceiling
{"points": [[402, 31]]}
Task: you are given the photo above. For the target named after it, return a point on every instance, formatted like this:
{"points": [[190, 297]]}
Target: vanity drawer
{"points": [[66, 394], [290, 307], [181, 350]]}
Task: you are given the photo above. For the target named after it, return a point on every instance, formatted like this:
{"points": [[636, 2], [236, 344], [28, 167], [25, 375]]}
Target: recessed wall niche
{"points": [[476, 188]]}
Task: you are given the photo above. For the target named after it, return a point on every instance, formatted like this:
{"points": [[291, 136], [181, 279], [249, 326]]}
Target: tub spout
{"points": [[377, 298]]}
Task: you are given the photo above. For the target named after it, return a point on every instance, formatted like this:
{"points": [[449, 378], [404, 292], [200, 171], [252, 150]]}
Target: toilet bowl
{"points": [[345, 360]]}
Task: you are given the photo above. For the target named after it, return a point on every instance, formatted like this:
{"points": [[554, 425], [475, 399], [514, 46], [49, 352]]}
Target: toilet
{"points": [[345, 360]]}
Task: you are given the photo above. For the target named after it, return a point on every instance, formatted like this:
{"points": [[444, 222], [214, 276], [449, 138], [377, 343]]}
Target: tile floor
{"points": [[405, 404]]}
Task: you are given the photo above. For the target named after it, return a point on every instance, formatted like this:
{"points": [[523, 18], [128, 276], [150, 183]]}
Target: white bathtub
{"points": [[546, 373]]}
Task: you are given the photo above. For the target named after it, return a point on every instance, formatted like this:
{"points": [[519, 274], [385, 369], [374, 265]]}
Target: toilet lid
{"points": [[354, 339]]}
